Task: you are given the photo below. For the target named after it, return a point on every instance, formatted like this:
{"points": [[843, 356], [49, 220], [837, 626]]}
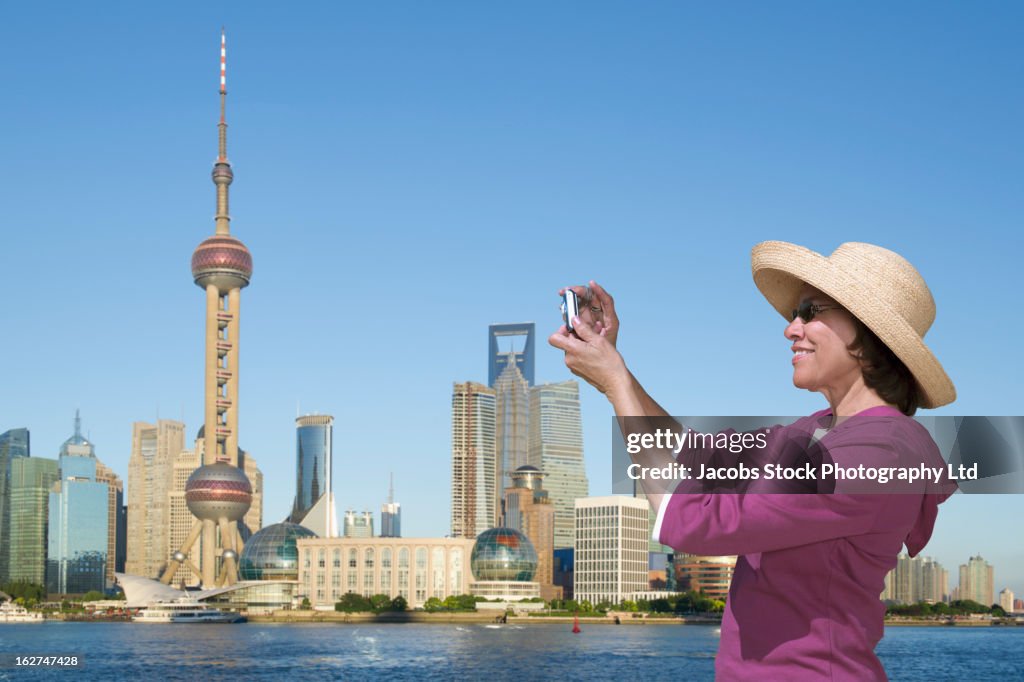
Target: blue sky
{"points": [[406, 174]]}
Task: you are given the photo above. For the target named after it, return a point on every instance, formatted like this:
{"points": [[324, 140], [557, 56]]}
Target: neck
{"points": [[856, 398]]}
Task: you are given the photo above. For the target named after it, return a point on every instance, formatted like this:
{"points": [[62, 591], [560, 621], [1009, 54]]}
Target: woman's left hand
{"points": [[590, 356]]}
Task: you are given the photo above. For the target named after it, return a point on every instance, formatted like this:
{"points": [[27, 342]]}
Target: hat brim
{"points": [[782, 269]]}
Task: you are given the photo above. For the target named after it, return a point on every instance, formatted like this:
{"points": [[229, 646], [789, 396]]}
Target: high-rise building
{"points": [[31, 480], [610, 554], [977, 581], [474, 460], [916, 579], [511, 423], [528, 510], [150, 478], [1006, 599], [78, 530], [180, 518], [507, 343], [358, 524], [314, 496], [556, 448], [13, 444], [391, 514], [219, 493]]}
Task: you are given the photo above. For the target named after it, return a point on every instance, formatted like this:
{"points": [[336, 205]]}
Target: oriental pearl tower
{"points": [[218, 493]]}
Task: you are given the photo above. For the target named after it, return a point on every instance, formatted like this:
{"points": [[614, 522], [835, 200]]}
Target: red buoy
{"points": [[575, 624]]}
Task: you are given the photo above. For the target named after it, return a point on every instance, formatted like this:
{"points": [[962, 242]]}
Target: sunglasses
{"points": [[807, 310]]}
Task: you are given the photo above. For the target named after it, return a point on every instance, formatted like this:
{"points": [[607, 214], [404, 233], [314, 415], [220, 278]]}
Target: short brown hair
{"points": [[884, 372]]}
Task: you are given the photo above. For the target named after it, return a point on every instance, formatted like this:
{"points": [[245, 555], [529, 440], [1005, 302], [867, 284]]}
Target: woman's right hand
{"points": [[597, 308]]}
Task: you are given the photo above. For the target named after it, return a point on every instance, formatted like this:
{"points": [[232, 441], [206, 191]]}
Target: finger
{"points": [[564, 341], [607, 302], [583, 329]]}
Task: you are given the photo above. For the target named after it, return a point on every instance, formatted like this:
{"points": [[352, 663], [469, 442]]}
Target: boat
{"points": [[14, 613], [185, 610]]}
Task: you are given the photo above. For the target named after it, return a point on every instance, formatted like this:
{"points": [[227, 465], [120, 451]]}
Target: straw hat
{"points": [[879, 287]]}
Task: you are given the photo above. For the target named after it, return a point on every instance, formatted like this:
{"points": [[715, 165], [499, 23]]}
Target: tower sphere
{"points": [[218, 491], [223, 261]]}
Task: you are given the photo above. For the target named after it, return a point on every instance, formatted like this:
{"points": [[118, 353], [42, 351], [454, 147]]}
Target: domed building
{"points": [[271, 553], [504, 563]]}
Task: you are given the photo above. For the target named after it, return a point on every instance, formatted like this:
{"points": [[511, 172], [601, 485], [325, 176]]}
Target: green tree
{"points": [[399, 603], [628, 605], [433, 605], [351, 602], [93, 595], [661, 605], [380, 602], [305, 604], [586, 606]]}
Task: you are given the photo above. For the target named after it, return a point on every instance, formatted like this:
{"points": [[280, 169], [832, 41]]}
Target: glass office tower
{"points": [[77, 543], [31, 480], [14, 444], [314, 502], [79, 522]]}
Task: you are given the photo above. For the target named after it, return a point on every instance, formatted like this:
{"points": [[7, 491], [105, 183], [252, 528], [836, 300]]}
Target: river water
{"points": [[129, 651]]}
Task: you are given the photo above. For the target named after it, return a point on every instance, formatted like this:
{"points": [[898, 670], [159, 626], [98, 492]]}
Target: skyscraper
{"points": [[391, 514], [79, 534], [474, 460], [556, 448], [150, 477], [219, 494], [611, 548], [13, 444], [508, 342], [977, 581], [31, 480], [511, 424], [314, 496], [916, 579], [528, 509]]}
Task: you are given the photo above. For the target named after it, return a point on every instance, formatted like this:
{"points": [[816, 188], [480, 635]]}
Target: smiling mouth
{"points": [[801, 354]]}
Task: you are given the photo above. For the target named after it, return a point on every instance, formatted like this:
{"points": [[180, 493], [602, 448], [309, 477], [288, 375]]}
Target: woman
{"points": [[804, 600]]}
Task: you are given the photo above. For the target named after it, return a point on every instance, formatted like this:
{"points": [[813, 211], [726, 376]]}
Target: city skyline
{"points": [[671, 163]]}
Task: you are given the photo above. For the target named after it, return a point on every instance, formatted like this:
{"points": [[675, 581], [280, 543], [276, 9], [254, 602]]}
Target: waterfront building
{"points": [[14, 444], [78, 528], [358, 524], [219, 493], [977, 581], [1006, 599], [504, 564], [610, 548], [556, 448], [150, 478], [268, 577], [528, 510], [507, 343], [474, 460], [511, 424], [391, 514], [1018, 605], [916, 579], [30, 484], [314, 493], [413, 568], [709, 575]]}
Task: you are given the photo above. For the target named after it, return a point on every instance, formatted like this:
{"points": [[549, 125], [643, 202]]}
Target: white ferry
{"points": [[185, 610], [13, 613]]}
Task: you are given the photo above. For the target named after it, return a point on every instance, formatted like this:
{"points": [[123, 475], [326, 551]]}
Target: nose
{"points": [[794, 330]]}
